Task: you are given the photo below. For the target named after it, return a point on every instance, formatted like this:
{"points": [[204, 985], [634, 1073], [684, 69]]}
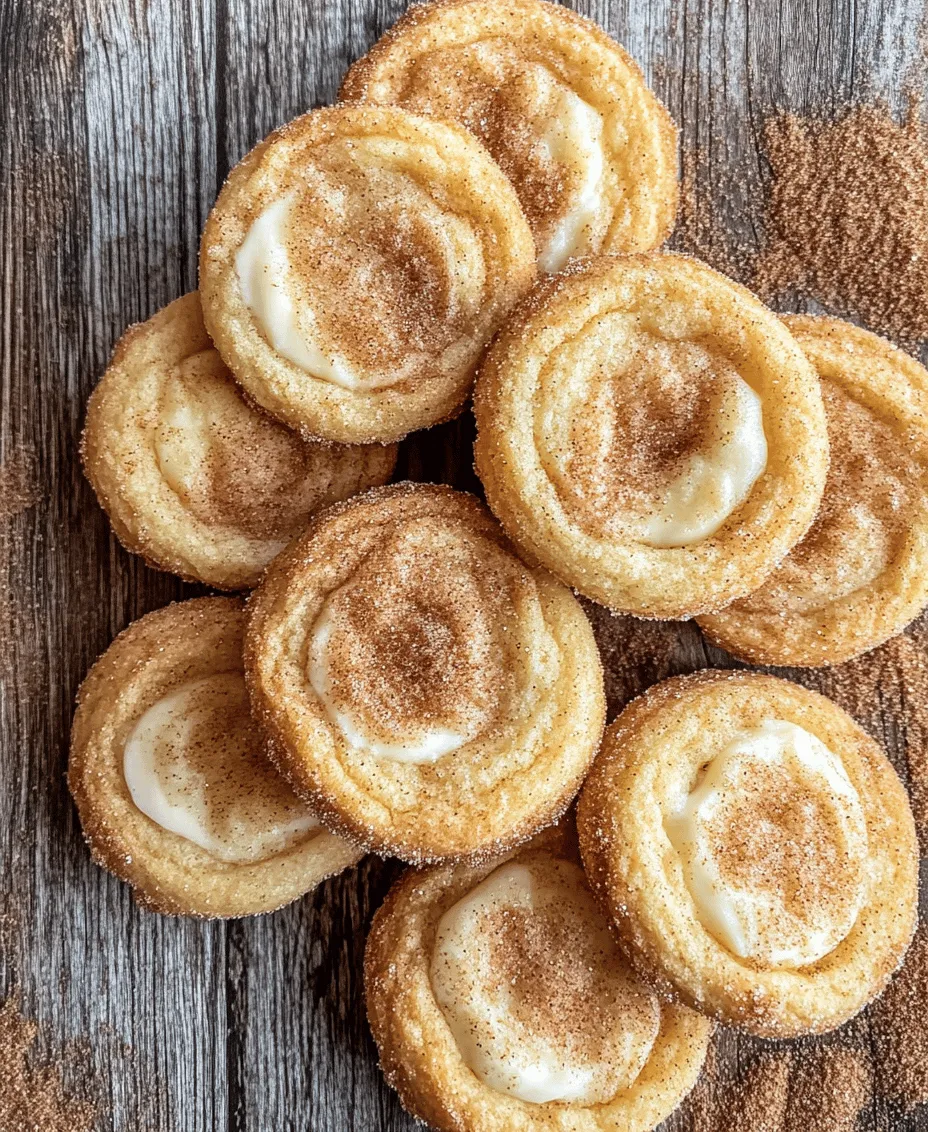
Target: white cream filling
{"points": [[742, 919], [574, 139], [265, 276], [478, 1008], [716, 481], [427, 746], [176, 798]]}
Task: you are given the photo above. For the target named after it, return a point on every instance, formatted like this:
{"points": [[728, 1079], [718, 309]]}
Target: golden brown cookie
{"points": [[500, 1003], [356, 265], [861, 573], [651, 433], [754, 849], [171, 779], [429, 694], [191, 476], [563, 109]]}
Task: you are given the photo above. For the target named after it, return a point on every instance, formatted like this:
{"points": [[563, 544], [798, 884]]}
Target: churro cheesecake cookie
{"points": [[429, 694], [355, 266], [563, 109], [861, 573], [651, 433], [500, 1002], [171, 778], [193, 477], [754, 849]]}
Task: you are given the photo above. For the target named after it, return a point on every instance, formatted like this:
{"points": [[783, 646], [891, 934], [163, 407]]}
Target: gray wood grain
{"points": [[120, 119]]}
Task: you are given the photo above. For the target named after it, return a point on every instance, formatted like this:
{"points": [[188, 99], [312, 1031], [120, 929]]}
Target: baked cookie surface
{"points": [[355, 266], [500, 1003], [754, 849], [561, 107], [861, 573], [174, 789], [431, 695], [651, 433], [194, 478]]}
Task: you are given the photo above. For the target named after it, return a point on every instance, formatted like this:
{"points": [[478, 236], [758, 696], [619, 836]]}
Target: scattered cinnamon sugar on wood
{"points": [[791, 1090], [19, 490], [847, 217], [828, 1088], [889, 687], [700, 231], [32, 1097], [900, 1029], [18, 484]]}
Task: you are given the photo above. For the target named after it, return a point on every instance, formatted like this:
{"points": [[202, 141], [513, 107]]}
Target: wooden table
{"points": [[121, 119]]}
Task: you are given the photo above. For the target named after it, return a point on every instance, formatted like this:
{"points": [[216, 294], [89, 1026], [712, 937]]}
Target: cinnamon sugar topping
{"points": [[873, 483], [536, 994], [774, 846], [235, 467]]}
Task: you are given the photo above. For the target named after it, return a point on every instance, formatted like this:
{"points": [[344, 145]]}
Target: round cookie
{"points": [[861, 573], [651, 433], [172, 783], [499, 1003], [754, 849], [562, 108], [429, 694], [191, 476], [355, 266]]}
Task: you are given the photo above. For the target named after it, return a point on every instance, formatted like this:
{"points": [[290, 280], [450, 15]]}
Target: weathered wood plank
{"points": [[120, 120]]}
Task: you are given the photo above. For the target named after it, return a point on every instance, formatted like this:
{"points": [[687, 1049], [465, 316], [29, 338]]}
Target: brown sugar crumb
{"points": [[791, 1090], [892, 683], [847, 217], [900, 1029], [32, 1097]]}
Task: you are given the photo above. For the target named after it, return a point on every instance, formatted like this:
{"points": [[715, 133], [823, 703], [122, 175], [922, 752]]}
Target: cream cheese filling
{"points": [[574, 139], [715, 481], [773, 844], [265, 275], [500, 1039], [179, 767], [426, 746]]}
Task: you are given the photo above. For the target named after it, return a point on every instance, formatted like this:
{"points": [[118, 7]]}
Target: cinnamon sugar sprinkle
{"points": [[891, 683], [900, 1029], [847, 217], [32, 1097], [820, 1088], [18, 484]]}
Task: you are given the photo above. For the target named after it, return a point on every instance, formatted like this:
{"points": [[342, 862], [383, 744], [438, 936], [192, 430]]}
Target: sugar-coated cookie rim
{"points": [[195, 551], [422, 838], [318, 409], [867, 618], [167, 873], [562, 27], [418, 1054], [673, 952], [666, 583]]}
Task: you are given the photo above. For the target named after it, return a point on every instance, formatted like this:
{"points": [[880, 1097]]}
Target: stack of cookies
{"points": [[412, 673]]}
